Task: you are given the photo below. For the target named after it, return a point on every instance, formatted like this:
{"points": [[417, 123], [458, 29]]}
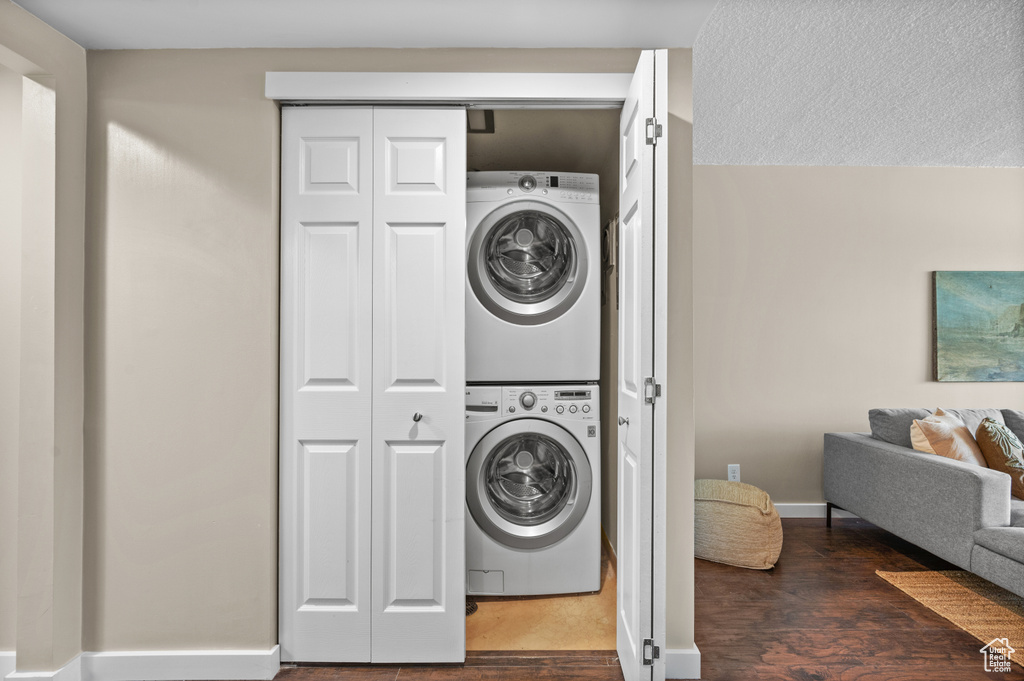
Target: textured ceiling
{"points": [[865, 82], [149, 24]]}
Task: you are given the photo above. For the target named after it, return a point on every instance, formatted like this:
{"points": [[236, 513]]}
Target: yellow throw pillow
{"points": [[946, 435], [1004, 452]]}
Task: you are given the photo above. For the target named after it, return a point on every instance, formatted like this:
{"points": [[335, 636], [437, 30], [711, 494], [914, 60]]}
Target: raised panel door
{"points": [[419, 382], [636, 360], [326, 391]]}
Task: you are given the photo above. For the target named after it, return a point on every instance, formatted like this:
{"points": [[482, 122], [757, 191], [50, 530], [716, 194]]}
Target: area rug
{"points": [[977, 606]]}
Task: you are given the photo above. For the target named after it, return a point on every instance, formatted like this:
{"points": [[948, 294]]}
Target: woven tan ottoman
{"points": [[736, 524]]}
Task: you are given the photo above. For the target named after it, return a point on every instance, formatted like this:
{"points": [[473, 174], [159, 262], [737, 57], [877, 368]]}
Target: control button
{"points": [[527, 183], [544, 191], [528, 400], [510, 192], [511, 409], [572, 408], [544, 409], [586, 408], [559, 409]]}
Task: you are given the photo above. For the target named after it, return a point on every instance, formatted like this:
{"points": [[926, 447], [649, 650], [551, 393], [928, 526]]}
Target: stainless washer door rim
{"points": [[514, 311], [527, 536]]}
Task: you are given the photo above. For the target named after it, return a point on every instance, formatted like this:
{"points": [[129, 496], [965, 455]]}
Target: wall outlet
{"points": [[734, 472]]}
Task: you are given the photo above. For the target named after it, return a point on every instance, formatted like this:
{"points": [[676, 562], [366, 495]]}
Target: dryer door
{"points": [[527, 262], [528, 483]]}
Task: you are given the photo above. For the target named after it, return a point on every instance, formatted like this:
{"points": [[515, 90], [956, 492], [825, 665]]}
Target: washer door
{"points": [[528, 483], [527, 262]]}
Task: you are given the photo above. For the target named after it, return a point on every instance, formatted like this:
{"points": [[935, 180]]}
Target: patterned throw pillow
{"points": [[1004, 452], [946, 435]]}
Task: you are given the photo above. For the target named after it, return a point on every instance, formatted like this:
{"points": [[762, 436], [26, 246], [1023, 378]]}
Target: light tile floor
{"points": [[570, 622]]}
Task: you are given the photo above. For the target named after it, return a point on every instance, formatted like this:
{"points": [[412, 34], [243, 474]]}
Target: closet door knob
{"points": [[417, 416], [623, 420]]}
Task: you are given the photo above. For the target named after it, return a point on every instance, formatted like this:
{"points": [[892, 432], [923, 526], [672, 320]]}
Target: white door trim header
{"points": [[489, 90]]}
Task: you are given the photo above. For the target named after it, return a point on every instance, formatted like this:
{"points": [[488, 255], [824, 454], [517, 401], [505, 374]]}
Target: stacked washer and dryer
{"points": [[533, 454]]}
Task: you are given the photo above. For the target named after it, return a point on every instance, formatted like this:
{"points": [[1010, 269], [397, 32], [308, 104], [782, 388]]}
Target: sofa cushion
{"points": [[1017, 512], [893, 425], [946, 435], [1006, 541], [972, 418], [1003, 452], [1015, 420]]}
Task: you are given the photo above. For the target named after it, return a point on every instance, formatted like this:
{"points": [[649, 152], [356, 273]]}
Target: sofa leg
{"points": [[828, 514]]}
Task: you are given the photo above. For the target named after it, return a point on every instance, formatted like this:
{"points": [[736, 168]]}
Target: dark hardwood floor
{"points": [[480, 666], [822, 614]]}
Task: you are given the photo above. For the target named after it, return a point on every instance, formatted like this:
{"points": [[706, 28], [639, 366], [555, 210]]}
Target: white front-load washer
{"points": [[533, 298], [533, 489]]}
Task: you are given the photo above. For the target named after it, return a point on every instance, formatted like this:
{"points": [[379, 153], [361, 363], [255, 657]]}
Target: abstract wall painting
{"points": [[979, 326]]}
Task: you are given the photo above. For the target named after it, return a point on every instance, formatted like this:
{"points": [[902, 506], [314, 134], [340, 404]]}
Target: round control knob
{"points": [[586, 408], [572, 408], [559, 409], [527, 183], [528, 400], [544, 409], [511, 409]]}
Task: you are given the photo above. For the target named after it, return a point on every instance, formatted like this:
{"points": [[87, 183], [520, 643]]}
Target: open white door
{"points": [[643, 216]]}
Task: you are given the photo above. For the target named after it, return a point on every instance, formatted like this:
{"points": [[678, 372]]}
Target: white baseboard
{"points": [[682, 663], [6, 663], [809, 511], [181, 665], [72, 671]]}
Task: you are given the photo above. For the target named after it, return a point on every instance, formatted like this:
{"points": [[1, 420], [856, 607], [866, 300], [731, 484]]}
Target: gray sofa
{"points": [[960, 512]]}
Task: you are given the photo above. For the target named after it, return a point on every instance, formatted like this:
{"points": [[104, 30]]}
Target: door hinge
{"points": [[652, 390], [651, 652], [653, 131]]}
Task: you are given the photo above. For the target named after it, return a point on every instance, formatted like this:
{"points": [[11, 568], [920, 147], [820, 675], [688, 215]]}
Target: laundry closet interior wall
{"points": [[569, 141], [182, 256]]}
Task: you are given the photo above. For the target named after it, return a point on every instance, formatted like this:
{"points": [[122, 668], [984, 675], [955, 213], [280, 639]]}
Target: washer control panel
{"points": [[493, 185], [565, 402], [577, 402]]}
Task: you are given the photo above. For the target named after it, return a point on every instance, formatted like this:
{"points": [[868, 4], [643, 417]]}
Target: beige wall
{"points": [[10, 343], [50, 412], [181, 436], [680, 380], [813, 304], [181, 439], [582, 141]]}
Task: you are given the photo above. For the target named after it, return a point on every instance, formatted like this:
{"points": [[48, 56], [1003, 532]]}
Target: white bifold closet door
{"points": [[372, 385], [643, 160]]}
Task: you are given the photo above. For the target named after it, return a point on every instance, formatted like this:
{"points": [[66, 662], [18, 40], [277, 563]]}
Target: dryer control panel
{"points": [[572, 402], [496, 185]]}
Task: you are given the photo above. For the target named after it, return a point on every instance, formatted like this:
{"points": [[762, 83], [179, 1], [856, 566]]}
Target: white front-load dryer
{"points": [[533, 489], [533, 298]]}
